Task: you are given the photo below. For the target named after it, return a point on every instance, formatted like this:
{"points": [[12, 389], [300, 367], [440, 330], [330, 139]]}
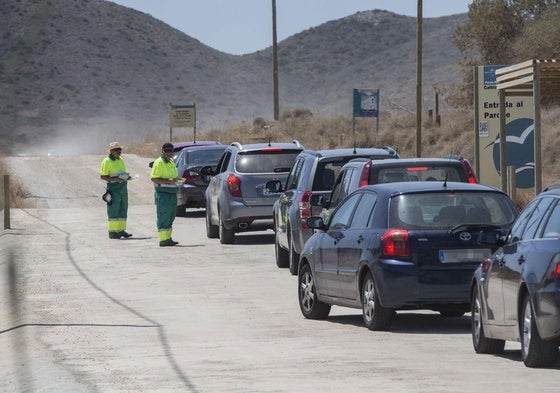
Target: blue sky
{"points": [[245, 26]]}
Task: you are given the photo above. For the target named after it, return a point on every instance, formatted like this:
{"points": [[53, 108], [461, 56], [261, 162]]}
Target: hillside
{"points": [[89, 70]]}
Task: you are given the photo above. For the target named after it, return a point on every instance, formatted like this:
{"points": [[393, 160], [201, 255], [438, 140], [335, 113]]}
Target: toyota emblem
{"points": [[465, 236]]}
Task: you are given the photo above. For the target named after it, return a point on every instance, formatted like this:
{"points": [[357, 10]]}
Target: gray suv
{"points": [[236, 197], [313, 173]]}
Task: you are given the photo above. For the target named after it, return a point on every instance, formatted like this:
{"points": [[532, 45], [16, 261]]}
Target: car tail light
{"points": [[234, 185], [470, 173], [271, 150], [364, 176], [396, 243], [486, 265], [304, 208], [417, 169], [554, 268], [190, 176]]}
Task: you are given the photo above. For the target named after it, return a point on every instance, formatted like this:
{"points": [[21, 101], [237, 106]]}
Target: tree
{"points": [[503, 32]]}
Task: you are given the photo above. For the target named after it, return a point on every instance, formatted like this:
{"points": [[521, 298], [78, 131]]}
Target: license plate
{"points": [[465, 255]]}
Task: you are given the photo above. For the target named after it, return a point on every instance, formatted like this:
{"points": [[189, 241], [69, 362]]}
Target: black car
{"points": [[400, 246], [189, 162], [516, 292], [313, 173]]}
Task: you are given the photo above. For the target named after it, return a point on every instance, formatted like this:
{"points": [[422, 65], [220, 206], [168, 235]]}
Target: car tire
{"points": [[375, 316], [293, 258], [227, 236], [281, 254], [535, 351], [212, 231], [311, 307], [481, 343]]}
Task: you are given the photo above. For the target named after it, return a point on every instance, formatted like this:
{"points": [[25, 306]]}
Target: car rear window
{"points": [[438, 210], [328, 170], [419, 173], [201, 157], [270, 160]]}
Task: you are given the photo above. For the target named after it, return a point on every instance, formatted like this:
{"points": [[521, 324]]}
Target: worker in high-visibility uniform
{"points": [[113, 171], [166, 184]]}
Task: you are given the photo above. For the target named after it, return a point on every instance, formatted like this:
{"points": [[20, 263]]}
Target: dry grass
{"points": [[18, 192]]}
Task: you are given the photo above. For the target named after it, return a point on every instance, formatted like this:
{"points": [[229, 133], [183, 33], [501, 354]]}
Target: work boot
{"points": [[125, 234], [114, 235], [174, 241], [167, 243]]}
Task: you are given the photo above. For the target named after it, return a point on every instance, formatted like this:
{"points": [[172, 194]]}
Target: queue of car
{"points": [[366, 229]]}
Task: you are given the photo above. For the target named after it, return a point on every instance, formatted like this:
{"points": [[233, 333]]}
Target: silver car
{"points": [[236, 198]]}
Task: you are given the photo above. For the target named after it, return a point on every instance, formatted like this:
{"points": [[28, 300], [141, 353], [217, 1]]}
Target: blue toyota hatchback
{"points": [[399, 246]]}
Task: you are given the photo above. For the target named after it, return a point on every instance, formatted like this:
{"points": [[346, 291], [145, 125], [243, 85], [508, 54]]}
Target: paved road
{"points": [[82, 313]]}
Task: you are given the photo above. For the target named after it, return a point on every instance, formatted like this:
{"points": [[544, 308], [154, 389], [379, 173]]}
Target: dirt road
{"points": [[82, 313]]}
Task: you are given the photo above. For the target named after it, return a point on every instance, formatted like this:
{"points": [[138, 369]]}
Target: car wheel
{"points": [[280, 253], [481, 343], [536, 352], [293, 259], [311, 307], [376, 317], [211, 229], [226, 235]]}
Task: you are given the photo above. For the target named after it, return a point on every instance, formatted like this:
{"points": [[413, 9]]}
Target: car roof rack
{"points": [[552, 186], [237, 144], [390, 150], [296, 142]]}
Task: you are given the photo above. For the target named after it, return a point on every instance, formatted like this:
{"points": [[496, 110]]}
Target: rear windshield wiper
{"points": [[472, 227]]}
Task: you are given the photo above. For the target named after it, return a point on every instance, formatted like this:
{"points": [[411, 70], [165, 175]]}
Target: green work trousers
{"points": [[166, 209], [118, 209]]}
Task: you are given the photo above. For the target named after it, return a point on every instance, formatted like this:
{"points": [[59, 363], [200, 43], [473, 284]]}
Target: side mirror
{"points": [[315, 223], [317, 200], [207, 171], [273, 186]]}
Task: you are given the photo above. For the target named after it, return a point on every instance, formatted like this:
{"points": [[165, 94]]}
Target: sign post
{"points": [[365, 104], [182, 116]]}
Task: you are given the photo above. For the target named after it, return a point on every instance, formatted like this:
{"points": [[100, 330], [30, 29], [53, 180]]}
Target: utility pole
{"points": [[275, 62], [419, 82]]}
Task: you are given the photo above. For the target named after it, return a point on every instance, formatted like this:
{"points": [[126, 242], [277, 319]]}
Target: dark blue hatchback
{"points": [[516, 291], [398, 246]]}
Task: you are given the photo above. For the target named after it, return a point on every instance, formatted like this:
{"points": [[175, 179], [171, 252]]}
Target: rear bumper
{"points": [[248, 218], [191, 196], [403, 284]]}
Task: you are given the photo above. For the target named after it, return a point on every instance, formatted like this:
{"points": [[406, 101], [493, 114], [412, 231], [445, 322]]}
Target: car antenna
{"points": [[269, 142], [446, 173], [354, 151]]}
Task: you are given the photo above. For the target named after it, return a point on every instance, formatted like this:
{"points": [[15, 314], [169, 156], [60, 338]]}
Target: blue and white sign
{"points": [[366, 103]]}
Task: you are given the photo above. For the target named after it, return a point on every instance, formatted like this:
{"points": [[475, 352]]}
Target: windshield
{"points": [[438, 210]]}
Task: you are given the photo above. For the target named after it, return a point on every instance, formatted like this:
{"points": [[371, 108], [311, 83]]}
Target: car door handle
{"points": [[360, 239], [521, 260]]}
